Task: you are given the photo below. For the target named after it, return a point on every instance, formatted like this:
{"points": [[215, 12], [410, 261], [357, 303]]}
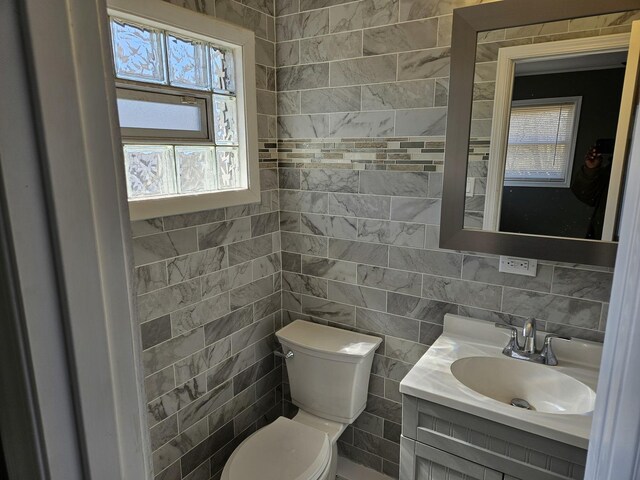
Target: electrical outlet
{"points": [[519, 266]]}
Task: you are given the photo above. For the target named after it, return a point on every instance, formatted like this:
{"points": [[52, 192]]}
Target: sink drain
{"points": [[521, 403]]}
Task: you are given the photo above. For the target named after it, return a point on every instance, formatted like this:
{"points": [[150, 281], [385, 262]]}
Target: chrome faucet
{"points": [[529, 351]]}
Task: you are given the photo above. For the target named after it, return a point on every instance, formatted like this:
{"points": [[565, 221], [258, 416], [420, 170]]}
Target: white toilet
{"points": [[329, 377]]}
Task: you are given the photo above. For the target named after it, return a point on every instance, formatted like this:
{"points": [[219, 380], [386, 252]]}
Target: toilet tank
{"points": [[329, 370]]}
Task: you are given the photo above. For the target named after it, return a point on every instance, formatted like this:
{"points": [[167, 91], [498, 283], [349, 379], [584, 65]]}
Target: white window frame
{"points": [[551, 102], [241, 42]]}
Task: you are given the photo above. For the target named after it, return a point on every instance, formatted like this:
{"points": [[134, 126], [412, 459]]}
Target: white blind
{"points": [[540, 142]]}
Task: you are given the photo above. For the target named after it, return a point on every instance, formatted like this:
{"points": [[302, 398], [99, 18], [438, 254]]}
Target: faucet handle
{"points": [[514, 342], [547, 352]]}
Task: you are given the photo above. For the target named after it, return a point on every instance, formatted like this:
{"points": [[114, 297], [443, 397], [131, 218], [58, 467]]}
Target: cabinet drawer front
{"points": [[430, 463]]}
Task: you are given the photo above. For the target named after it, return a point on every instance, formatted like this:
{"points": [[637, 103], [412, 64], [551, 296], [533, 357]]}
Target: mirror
{"points": [[550, 110]]}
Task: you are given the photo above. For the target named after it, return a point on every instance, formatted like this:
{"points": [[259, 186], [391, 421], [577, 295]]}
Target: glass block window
{"points": [[542, 137], [178, 111]]}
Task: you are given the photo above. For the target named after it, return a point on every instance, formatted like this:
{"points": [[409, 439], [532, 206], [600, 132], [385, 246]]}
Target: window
{"points": [[541, 146], [186, 107]]}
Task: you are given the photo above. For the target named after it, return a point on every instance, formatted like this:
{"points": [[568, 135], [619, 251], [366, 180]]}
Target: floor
{"points": [[348, 470]]}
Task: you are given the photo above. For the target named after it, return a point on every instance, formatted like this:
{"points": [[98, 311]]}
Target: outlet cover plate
{"points": [[519, 266]]}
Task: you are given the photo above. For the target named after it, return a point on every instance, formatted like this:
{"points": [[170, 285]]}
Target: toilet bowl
{"points": [[329, 376]]}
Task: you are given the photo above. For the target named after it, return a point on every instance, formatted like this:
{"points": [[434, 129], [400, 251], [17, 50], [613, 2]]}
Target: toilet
{"points": [[329, 378]]}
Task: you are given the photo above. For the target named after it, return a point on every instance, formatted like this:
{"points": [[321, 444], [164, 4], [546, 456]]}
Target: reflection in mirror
{"points": [[545, 157]]}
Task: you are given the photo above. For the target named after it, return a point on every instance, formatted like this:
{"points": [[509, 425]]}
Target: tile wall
{"points": [[362, 95], [346, 233]]}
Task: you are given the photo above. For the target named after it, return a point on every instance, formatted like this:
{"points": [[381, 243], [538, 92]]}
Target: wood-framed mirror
{"points": [[541, 104]]}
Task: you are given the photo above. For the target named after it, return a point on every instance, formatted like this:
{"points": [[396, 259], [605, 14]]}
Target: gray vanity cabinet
{"points": [[440, 443]]}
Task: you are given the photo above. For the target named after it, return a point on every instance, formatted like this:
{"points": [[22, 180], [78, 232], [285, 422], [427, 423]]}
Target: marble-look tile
{"points": [[196, 264], [199, 313], [363, 71], [386, 324], [159, 383], [302, 25], [167, 300], [392, 233], [230, 367], [310, 202], [304, 244], [390, 280], [250, 249], [431, 63], [431, 311], [229, 410], [163, 432], [331, 47], [171, 351], [193, 219], [265, 223], [326, 180], [252, 333], [486, 270], [326, 100], [146, 227], [328, 268], [290, 222], [286, 7], [328, 310], [203, 360], [203, 472], [445, 24], [155, 331], [153, 248], [267, 265], [177, 399], [364, 206], [173, 471], [462, 292], [384, 408], [406, 184], [151, 277], [291, 302], [268, 178], [389, 96], [412, 9], [223, 233], [221, 444], [264, 206], [429, 332], [269, 305], [361, 124], [488, 52], [291, 262], [556, 309], [266, 103], [369, 423], [238, 14], [329, 226], [442, 92], [303, 126], [359, 252], [249, 416], [575, 332], [196, 411], [587, 284], [250, 376], [359, 296], [420, 210], [425, 261], [601, 21], [369, 460], [404, 350], [267, 126], [401, 37], [289, 178], [373, 444], [300, 77], [305, 284], [430, 122], [392, 431], [265, 6], [362, 14], [491, 316], [311, 4], [247, 294], [288, 103]]}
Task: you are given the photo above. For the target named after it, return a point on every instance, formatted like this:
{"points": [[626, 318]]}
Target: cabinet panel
{"points": [[429, 463]]}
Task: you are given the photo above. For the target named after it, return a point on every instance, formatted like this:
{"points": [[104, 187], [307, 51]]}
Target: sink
{"points": [[544, 389]]}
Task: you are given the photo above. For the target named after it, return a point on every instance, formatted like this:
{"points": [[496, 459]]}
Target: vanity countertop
{"points": [[431, 379]]}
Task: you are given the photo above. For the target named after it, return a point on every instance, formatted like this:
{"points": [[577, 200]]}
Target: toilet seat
{"points": [[283, 450]]}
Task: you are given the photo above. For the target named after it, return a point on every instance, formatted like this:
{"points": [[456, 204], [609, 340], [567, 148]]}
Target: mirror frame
{"points": [[467, 23]]}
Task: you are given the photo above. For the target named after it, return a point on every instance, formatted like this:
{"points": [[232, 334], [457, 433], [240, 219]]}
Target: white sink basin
{"points": [[545, 389]]}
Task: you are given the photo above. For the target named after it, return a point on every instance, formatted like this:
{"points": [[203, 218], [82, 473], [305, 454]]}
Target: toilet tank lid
{"points": [[326, 339]]}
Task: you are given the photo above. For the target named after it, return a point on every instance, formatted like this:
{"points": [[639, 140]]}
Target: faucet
{"points": [[529, 350]]}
